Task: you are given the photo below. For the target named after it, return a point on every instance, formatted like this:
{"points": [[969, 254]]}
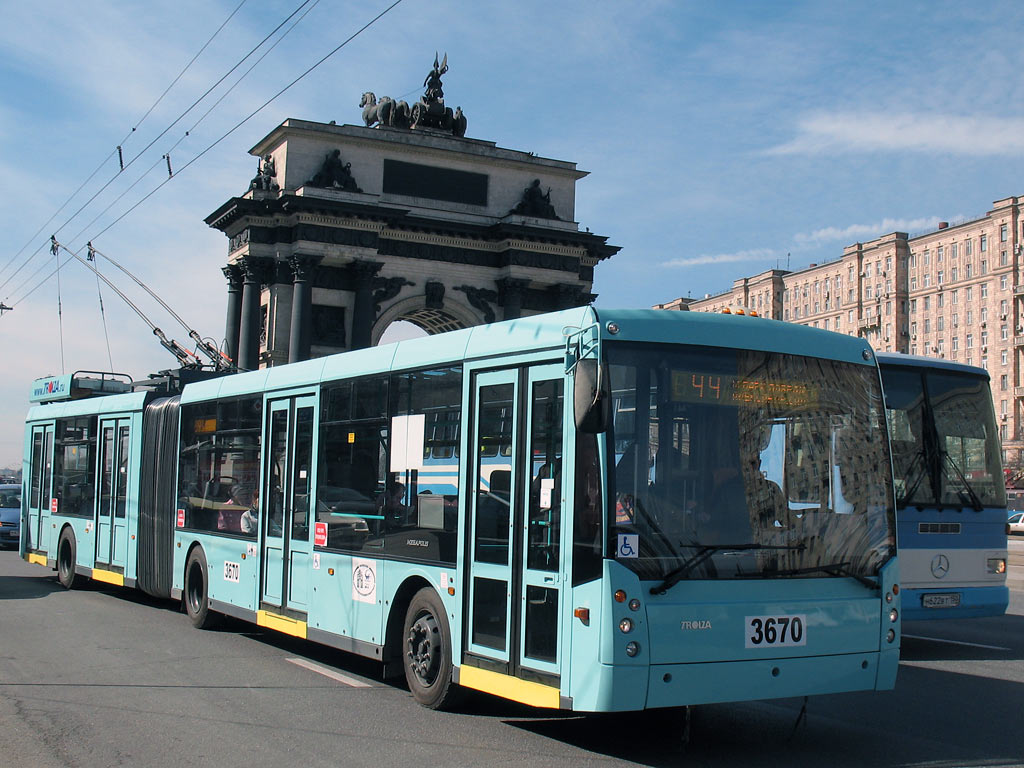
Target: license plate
{"points": [[941, 600], [776, 631]]}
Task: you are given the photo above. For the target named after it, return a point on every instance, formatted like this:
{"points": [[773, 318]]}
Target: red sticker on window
{"points": [[320, 535], [181, 518], [53, 506]]}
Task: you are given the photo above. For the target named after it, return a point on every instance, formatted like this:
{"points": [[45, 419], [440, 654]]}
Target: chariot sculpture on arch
{"points": [[429, 112]]}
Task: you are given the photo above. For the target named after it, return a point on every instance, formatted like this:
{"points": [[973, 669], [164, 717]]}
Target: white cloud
{"points": [[721, 258], [862, 232], [839, 132]]}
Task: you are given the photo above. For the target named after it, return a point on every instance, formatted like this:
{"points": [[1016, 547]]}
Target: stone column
{"points": [[233, 273], [364, 311], [253, 272], [302, 307], [511, 292]]}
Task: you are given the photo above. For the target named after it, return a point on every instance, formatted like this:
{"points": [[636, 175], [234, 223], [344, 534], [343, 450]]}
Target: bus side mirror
{"points": [[591, 397]]}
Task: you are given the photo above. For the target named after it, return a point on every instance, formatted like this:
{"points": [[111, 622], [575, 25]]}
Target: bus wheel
{"points": [[427, 651], [197, 602], [66, 558]]}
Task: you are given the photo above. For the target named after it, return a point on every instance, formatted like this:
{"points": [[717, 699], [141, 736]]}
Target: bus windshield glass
{"points": [[945, 446], [744, 464]]}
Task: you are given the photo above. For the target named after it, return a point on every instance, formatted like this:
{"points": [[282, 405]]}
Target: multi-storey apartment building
{"points": [[955, 292]]}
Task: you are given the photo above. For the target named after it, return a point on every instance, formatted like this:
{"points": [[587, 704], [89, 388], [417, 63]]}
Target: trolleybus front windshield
{"points": [[739, 464], [945, 448]]}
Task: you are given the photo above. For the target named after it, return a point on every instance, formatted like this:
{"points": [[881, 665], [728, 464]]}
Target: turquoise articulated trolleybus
{"points": [[589, 511], [950, 499]]}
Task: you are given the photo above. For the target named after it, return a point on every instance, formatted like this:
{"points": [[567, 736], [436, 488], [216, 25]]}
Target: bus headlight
{"points": [[632, 648], [626, 625], [996, 565]]}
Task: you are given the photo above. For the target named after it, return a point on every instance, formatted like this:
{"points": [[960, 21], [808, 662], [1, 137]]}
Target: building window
{"points": [[1003, 308], [913, 305], [867, 270], [952, 274], [952, 250], [1002, 357], [938, 254], [984, 290], [888, 307], [913, 259], [1004, 332], [970, 341], [984, 267], [867, 291], [913, 329], [984, 338], [955, 320], [1002, 407], [970, 315], [1002, 234], [956, 343], [942, 347], [940, 323], [1003, 383], [913, 349], [1002, 282], [941, 300], [967, 269], [953, 297], [927, 303], [927, 281], [984, 243], [927, 325], [927, 258], [984, 314], [1002, 259], [913, 283], [970, 293], [968, 247]]}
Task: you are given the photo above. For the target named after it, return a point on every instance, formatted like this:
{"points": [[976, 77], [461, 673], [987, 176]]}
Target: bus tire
{"points": [[67, 557], [427, 651], [195, 594]]}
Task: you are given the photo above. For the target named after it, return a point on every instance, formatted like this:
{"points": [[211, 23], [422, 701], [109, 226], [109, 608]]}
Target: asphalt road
{"points": [[102, 676]]}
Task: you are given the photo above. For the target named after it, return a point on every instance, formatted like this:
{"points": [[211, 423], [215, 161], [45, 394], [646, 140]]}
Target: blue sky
{"points": [[719, 137]]}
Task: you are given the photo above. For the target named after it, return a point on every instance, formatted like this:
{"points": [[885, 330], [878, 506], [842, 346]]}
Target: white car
{"points": [[1015, 523]]}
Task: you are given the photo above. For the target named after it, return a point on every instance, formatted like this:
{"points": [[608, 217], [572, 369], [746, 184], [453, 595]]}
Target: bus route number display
{"points": [[723, 389]]}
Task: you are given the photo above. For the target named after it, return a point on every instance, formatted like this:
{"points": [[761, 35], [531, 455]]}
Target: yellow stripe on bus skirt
{"points": [[523, 691], [108, 577], [284, 624]]}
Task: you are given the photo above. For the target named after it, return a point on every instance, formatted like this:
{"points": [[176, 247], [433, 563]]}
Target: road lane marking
{"points": [[328, 672], [957, 642]]}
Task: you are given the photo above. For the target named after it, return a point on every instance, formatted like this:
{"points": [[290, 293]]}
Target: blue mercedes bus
{"points": [[950, 499], [592, 511]]}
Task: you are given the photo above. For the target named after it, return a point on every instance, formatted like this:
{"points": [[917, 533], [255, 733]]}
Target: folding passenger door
{"points": [[513, 611], [111, 502], [40, 492], [286, 502]]}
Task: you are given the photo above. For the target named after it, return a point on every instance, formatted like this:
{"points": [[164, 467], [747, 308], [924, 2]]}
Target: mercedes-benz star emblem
{"points": [[940, 566]]}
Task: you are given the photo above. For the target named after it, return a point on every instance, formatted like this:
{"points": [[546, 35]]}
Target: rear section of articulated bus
{"points": [[749, 531]]}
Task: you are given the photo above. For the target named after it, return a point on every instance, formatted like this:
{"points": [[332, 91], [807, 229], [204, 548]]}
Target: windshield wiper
{"points": [[705, 551], [975, 501], [832, 569]]}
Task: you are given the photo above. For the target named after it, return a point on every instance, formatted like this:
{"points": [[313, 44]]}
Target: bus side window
{"points": [[587, 544]]}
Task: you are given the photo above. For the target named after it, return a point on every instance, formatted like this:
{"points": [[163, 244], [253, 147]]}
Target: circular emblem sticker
{"points": [[364, 582]]}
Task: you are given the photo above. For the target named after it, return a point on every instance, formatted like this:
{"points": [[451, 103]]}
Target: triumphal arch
{"points": [[348, 228]]}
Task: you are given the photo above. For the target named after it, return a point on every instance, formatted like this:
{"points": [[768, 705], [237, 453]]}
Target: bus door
{"points": [[515, 555], [40, 495], [111, 522], [285, 501]]}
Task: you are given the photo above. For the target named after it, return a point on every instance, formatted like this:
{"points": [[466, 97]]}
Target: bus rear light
{"points": [[620, 596], [632, 648], [895, 589], [888, 597], [583, 614], [893, 615], [890, 635], [996, 565], [626, 626], [634, 604]]}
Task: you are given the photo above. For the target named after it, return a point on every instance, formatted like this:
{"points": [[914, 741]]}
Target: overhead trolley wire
{"points": [[251, 115], [116, 151], [197, 122]]}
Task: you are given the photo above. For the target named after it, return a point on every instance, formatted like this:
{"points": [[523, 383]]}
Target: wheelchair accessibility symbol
{"points": [[629, 545]]}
